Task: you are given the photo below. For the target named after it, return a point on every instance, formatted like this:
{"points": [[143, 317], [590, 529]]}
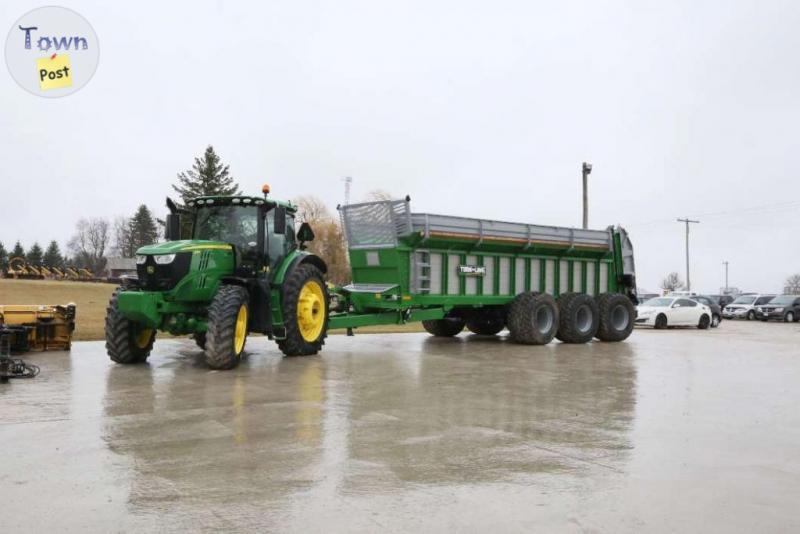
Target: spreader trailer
{"points": [[245, 269]]}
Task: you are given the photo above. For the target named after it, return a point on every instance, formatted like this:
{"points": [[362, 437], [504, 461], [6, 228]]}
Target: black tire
{"points": [[221, 350], [705, 322], [715, 320], [617, 316], [295, 344], [487, 322], [533, 318], [578, 318], [200, 339], [751, 315], [447, 327], [661, 322], [123, 342]]}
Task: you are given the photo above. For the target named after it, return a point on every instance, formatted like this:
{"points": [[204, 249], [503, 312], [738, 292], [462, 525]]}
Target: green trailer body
{"points": [[414, 266]]}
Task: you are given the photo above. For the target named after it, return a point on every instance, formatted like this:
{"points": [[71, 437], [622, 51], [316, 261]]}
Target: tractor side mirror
{"points": [[305, 233], [279, 222], [172, 229]]}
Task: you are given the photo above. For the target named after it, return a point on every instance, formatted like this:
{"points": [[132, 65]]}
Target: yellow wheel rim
{"points": [[143, 337], [240, 333], [311, 311]]}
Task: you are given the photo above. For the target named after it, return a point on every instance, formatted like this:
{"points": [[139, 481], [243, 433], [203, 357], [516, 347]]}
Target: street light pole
{"points": [[725, 263], [586, 171], [687, 221]]}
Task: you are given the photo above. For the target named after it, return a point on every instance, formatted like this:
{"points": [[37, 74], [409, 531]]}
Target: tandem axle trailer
{"points": [[450, 272]]}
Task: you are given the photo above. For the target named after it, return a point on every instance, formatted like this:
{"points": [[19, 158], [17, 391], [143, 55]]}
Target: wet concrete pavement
{"points": [[670, 431]]}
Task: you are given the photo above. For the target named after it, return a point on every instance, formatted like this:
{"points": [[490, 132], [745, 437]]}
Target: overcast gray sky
{"points": [[483, 109]]}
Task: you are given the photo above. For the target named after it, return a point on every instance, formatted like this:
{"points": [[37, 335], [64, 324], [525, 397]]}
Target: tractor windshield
{"points": [[237, 225]]}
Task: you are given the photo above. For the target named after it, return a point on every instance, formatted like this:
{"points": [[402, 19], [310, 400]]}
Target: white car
{"points": [[663, 312]]}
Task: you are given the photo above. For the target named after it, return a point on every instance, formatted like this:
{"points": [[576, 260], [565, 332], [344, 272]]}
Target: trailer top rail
{"points": [[382, 224]]}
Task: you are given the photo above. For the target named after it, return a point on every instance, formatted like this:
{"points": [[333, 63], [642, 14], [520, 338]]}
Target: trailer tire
{"points": [[305, 311], [200, 339], [486, 322], [447, 327], [533, 318], [126, 341], [228, 317], [617, 316], [578, 318]]}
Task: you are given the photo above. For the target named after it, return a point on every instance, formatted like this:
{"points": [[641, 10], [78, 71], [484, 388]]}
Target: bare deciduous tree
{"points": [[89, 243], [328, 242], [379, 194], [672, 282], [793, 284]]}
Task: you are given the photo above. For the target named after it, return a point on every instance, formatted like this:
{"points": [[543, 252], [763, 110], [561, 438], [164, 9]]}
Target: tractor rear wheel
{"points": [[305, 311], [447, 327], [126, 341], [617, 316], [578, 318], [228, 316], [487, 322], [533, 318]]}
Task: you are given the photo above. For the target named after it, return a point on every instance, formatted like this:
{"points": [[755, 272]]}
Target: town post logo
{"points": [[52, 51]]}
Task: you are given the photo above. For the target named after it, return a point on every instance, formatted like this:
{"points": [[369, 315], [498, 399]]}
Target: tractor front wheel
{"points": [[126, 341], [228, 316], [305, 311]]}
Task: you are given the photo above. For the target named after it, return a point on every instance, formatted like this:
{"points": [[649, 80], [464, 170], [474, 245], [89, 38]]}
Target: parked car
{"points": [[723, 300], [744, 306], [782, 308], [663, 312], [716, 310]]}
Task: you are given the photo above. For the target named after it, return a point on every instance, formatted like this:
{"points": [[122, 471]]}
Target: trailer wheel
{"points": [[578, 318], [616, 317], [228, 316], [447, 327], [305, 311], [200, 339], [126, 341], [533, 318], [486, 322]]}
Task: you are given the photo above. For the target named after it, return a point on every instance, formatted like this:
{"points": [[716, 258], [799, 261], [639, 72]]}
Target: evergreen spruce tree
{"points": [[52, 257], [208, 176], [3, 257], [18, 251], [35, 255], [143, 229]]}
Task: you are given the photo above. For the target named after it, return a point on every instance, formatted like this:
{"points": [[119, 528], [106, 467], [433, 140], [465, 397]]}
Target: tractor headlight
{"points": [[140, 259], [164, 259]]}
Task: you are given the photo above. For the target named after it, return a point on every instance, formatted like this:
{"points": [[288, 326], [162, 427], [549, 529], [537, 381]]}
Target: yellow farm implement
{"points": [[38, 327]]}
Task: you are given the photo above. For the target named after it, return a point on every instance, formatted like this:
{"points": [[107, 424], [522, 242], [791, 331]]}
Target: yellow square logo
{"points": [[54, 72]]}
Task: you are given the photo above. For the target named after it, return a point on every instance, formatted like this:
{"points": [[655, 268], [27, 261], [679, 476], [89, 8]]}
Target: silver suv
{"points": [[744, 306]]}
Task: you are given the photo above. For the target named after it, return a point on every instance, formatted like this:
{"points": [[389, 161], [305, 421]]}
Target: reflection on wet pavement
{"points": [[411, 432]]}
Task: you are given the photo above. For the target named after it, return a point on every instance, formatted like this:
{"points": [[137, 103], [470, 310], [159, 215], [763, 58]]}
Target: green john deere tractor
{"points": [[243, 270]]}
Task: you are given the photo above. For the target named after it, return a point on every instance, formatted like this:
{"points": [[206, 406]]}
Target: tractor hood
{"points": [[172, 247]]}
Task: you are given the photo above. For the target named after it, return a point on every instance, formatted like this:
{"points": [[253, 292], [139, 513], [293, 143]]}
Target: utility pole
{"points": [[725, 263], [587, 170], [687, 221]]}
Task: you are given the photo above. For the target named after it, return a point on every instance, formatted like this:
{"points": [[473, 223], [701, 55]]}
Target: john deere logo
{"points": [[52, 51], [472, 270]]}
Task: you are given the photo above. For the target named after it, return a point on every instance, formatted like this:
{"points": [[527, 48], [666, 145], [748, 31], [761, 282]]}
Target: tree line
{"points": [[94, 239]]}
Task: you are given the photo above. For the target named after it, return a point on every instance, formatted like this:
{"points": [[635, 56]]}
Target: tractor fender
{"points": [[292, 261]]}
